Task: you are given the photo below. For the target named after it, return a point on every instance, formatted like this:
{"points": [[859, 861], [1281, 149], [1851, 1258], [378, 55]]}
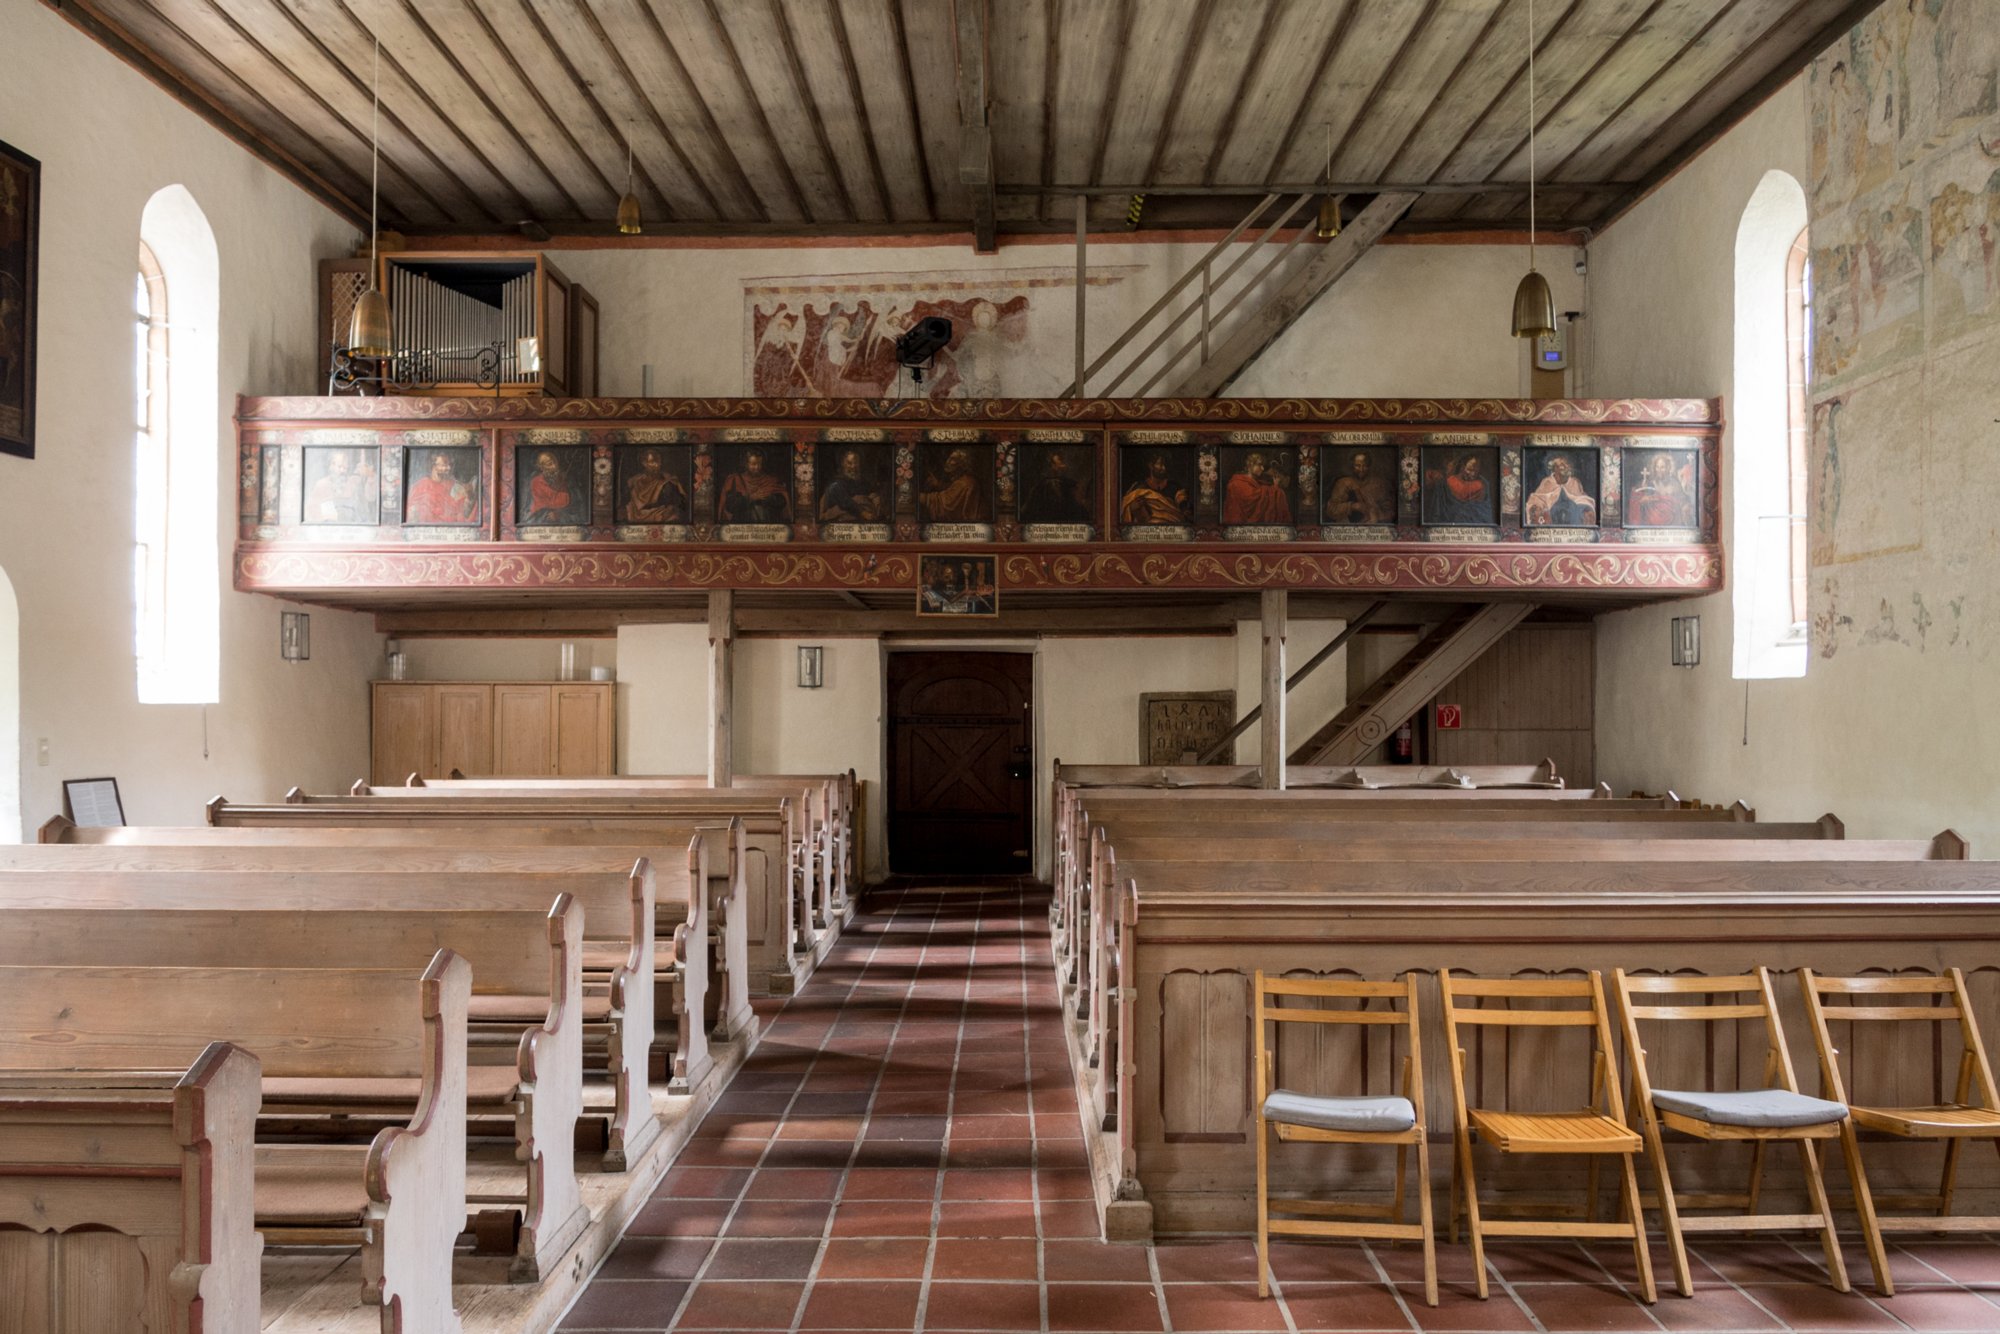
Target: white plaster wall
{"points": [[10, 712], [1891, 734], [107, 140], [1396, 325], [485, 659]]}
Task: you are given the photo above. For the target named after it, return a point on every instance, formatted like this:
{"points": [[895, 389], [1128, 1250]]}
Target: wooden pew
{"points": [[1115, 808], [781, 938], [840, 806], [400, 1198], [812, 840], [526, 962], [136, 1189], [617, 894], [1184, 1155], [1484, 776], [715, 857]]}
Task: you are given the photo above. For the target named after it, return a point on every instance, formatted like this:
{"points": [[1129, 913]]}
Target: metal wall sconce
{"points": [[1687, 641], [294, 636], [812, 667]]}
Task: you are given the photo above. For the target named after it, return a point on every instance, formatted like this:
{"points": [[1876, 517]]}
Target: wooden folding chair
{"points": [[1597, 1130], [1895, 1000], [1316, 1119], [1776, 1113]]}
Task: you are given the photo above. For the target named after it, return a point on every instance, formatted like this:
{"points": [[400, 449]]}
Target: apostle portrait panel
{"points": [[955, 488], [653, 484], [1662, 488], [856, 490], [441, 485], [1057, 492], [342, 485], [1461, 486], [1560, 489], [754, 485], [551, 485], [1259, 490], [1159, 487], [1360, 486]]}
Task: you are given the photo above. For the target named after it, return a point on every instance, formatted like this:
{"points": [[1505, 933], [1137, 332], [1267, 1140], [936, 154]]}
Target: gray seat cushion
{"points": [[1762, 1109], [1375, 1115]]}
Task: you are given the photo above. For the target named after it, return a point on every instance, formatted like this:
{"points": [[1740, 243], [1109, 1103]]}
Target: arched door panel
{"points": [[959, 762]]}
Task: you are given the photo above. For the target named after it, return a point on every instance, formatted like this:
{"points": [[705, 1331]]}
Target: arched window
{"points": [[176, 563], [1765, 454]]}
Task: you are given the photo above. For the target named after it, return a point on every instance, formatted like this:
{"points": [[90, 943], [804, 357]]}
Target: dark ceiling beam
{"points": [[1311, 188], [749, 92], [1252, 67], [1714, 125], [643, 98], [1327, 52], [1177, 86], [532, 88], [1051, 66], [86, 19], [802, 91], [845, 41], [1114, 88], [971, 30]]}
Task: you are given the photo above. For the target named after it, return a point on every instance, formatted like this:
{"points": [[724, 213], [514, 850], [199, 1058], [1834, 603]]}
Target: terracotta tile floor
{"points": [[902, 1152]]}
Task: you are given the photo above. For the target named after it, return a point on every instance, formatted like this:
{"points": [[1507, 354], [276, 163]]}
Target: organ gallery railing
{"points": [[1591, 496]]}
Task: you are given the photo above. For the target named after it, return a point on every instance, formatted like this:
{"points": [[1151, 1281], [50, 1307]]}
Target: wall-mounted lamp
{"points": [[294, 636], [1687, 641], [812, 667]]}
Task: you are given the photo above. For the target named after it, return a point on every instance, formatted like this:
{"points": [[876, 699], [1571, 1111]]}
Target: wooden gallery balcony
{"points": [[607, 502]]}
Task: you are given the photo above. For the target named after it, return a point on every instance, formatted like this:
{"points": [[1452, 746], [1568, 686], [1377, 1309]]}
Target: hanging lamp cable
{"points": [[1531, 136]]}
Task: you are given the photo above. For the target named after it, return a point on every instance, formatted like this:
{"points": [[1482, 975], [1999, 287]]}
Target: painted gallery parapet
{"points": [[1433, 496]]}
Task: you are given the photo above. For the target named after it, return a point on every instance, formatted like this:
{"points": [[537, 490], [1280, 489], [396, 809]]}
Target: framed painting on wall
{"points": [[1562, 488], [340, 485], [441, 485], [1176, 728], [551, 485], [20, 226], [1661, 488], [966, 585]]}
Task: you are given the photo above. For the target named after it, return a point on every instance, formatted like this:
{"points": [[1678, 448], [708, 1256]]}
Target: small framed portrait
{"points": [[1560, 489], [966, 585], [1461, 486], [954, 482], [1058, 484], [653, 484], [1158, 485], [441, 485], [342, 485], [754, 484], [20, 235], [853, 481], [1260, 486], [1662, 488], [1360, 485], [551, 485]]}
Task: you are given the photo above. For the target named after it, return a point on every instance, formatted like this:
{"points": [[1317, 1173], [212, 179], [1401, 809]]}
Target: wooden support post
{"points": [[1225, 743], [1082, 286], [721, 678], [975, 149], [1272, 773]]}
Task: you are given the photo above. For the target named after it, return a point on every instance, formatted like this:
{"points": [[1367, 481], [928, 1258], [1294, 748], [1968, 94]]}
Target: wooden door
{"points": [[465, 729], [521, 731], [960, 762], [404, 740], [582, 745]]}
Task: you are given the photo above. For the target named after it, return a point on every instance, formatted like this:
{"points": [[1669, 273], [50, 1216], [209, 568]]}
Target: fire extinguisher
{"points": [[1404, 749]]}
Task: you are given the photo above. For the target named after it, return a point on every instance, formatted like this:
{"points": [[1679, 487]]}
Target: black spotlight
{"points": [[920, 346]]}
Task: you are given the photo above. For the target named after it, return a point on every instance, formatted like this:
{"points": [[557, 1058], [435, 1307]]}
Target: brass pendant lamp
{"points": [[628, 203], [1534, 304], [368, 331], [1328, 226]]}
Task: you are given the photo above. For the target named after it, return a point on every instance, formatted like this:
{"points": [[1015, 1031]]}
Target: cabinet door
{"points": [[465, 729], [583, 730], [522, 731], [404, 734]]}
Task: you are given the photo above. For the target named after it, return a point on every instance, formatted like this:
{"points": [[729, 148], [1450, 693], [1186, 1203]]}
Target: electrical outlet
{"points": [[42, 752]]}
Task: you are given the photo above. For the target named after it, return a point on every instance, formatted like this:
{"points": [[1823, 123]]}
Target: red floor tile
{"points": [[742, 1306], [1131, 1308], [1225, 1306], [761, 1259], [862, 1305], [1341, 1306], [874, 1257], [984, 1306], [625, 1305], [1014, 1258]]}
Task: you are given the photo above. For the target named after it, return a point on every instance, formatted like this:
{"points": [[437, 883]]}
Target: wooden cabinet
{"points": [[562, 729]]}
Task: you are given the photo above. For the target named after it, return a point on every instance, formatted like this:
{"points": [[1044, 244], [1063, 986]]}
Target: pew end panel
{"points": [[549, 1060], [693, 953], [143, 1183], [416, 1174]]}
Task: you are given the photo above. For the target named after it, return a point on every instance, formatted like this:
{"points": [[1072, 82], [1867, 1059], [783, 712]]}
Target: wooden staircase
{"points": [[1393, 699]]}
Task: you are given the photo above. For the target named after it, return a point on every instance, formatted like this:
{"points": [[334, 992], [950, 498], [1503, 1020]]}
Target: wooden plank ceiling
{"points": [[816, 117]]}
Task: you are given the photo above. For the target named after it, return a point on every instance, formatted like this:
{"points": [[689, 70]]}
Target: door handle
{"points": [[1018, 769]]}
